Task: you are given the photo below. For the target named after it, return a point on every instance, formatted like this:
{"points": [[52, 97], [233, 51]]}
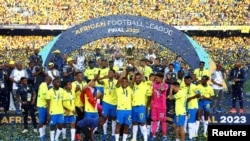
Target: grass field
{"points": [[247, 87], [12, 132]]}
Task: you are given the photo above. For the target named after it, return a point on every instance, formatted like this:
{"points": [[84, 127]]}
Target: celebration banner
{"points": [[129, 26]]}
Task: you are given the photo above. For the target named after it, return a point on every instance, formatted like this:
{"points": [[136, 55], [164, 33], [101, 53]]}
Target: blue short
{"points": [[108, 110], [179, 120], [204, 105], [139, 114], [192, 115], [69, 119], [101, 89], [124, 117], [149, 114], [91, 115], [56, 119], [42, 115]]}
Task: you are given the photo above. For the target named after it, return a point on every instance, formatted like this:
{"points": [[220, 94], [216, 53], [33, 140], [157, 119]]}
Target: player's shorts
{"points": [[204, 105], [124, 117], [69, 119], [108, 110], [56, 119], [42, 115], [139, 114], [91, 115], [192, 115], [158, 114], [179, 120]]}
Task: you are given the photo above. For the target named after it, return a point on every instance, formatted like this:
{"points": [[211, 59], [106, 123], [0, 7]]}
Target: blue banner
{"points": [[130, 26]]}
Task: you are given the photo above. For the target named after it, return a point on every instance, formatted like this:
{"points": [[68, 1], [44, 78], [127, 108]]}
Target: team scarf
{"points": [[91, 96]]}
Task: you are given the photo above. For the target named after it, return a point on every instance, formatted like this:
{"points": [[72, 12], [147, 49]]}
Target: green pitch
{"points": [[12, 132]]}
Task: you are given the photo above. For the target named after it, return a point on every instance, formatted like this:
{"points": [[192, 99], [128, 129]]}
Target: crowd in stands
{"points": [[174, 12], [226, 49]]}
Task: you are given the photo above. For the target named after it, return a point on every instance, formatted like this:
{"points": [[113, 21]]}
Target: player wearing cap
{"points": [[124, 106], [180, 98], [192, 108], [206, 94], [109, 102]]}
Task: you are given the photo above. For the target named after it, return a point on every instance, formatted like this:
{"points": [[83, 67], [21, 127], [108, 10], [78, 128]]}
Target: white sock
{"points": [[95, 129], [185, 124], [158, 125], [58, 133], [41, 131], [205, 124], [72, 132], [144, 132], [177, 140], [52, 135], [124, 137], [148, 129], [197, 127], [135, 130], [105, 126], [190, 130], [44, 129], [202, 119], [64, 133], [116, 137], [113, 125]]}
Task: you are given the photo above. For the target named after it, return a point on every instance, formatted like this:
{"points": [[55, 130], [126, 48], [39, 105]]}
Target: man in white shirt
{"points": [[52, 73], [118, 61], [80, 60], [217, 84], [15, 77]]}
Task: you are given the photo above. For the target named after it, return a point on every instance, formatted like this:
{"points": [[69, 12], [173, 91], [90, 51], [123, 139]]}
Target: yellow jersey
{"points": [[149, 90], [70, 101], [56, 98], [87, 106], [78, 102], [198, 73], [180, 102], [206, 91], [110, 96], [191, 91], [41, 96], [90, 73], [116, 68], [124, 98], [139, 94], [146, 71], [103, 72], [182, 83]]}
